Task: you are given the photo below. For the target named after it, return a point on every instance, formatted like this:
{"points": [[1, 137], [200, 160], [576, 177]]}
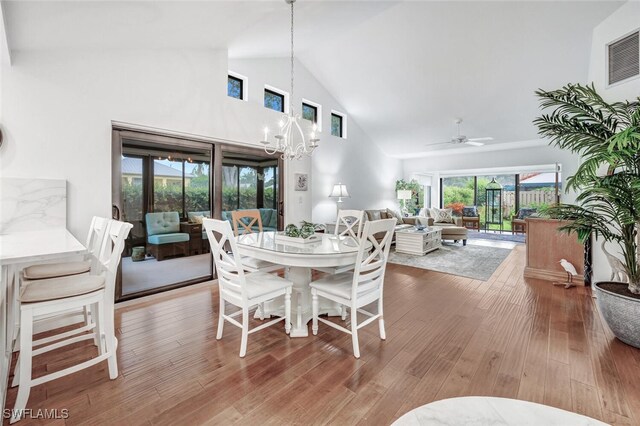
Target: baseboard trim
{"points": [[543, 274], [163, 295]]}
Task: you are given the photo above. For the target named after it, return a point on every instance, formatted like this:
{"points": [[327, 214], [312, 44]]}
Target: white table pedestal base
{"points": [[301, 312]]}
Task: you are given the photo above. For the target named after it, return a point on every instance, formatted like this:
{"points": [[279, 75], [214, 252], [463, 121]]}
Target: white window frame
{"points": [[319, 110], [281, 92], [245, 85], [344, 123], [606, 61]]}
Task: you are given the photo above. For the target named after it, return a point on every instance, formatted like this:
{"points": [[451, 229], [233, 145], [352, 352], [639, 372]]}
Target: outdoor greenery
{"points": [[417, 194], [604, 134]]}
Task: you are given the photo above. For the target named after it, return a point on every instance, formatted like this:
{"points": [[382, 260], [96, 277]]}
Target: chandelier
{"points": [[289, 126]]}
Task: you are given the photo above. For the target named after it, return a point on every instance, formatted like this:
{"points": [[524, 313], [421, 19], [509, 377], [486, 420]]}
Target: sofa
{"points": [[269, 218], [402, 222], [164, 238], [450, 230]]}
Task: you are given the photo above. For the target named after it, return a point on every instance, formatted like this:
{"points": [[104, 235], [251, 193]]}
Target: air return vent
{"points": [[624, 56]]}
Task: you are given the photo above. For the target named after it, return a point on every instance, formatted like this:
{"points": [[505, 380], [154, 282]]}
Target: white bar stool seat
{"points": [[39, 272]]}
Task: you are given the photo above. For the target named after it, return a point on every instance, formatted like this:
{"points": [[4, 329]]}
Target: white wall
{"points": [[624, 20], [4, 56], [620, 23], [356, 161], [59, 106]]}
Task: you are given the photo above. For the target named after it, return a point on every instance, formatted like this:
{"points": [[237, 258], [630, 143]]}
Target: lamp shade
{"points": [[404, 194], [339, 190]]}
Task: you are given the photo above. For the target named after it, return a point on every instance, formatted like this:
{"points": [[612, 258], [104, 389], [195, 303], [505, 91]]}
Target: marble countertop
{"points": [[488, 411], [30, 246]]}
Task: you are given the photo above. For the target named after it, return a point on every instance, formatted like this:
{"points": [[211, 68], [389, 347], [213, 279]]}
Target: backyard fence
{"points": [[528, 198]]}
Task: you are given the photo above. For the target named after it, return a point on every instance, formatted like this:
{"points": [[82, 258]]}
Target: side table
{"points": [[195, 236], [471, 223]]}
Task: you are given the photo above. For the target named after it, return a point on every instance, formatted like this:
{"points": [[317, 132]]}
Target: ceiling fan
{"points": [[462, 139]]}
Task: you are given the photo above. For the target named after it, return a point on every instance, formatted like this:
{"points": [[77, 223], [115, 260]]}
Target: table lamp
{"points": [[403, 196], [339, 192]]}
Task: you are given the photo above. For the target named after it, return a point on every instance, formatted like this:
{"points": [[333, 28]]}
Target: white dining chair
{"points": [[362, 286], [243, 223], [56, 295], [95, 238], [240, 288], [352, 220]]}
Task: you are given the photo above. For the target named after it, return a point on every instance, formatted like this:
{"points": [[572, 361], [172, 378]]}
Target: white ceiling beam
{"points": [[4, 39]]}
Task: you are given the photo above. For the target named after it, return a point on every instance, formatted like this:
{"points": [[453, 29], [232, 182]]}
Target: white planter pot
{"points": [[621, 313]]}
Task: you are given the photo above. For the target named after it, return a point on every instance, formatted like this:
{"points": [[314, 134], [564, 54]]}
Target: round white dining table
{"points": [[491, 411], [300, 258]]}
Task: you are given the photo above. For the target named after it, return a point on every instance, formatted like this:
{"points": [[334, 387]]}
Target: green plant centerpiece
{"points": [[306, 230], [607, 137]]}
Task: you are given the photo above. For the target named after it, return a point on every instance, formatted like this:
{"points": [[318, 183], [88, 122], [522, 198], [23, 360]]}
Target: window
{"points": [[273, 100], [310, 112], [249, 186], [235, 87], [338, 125]]}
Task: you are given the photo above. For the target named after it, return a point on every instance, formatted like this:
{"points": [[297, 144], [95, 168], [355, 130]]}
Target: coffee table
{"points": [[412, 241]]}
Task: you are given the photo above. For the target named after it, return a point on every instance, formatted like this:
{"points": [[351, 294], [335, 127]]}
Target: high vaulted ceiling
{"points": [[402, 70]]}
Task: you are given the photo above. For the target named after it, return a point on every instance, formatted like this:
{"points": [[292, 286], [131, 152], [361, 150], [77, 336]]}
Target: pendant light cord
{"points": [[292, 66]]}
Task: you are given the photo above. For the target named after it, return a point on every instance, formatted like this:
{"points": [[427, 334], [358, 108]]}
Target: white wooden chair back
{"points": [[371, 263], [352, 220], [238, 218], [95, 239], [229, 268], [111, 253]]}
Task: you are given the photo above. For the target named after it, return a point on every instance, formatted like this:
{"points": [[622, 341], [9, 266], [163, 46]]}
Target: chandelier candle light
{"points": [[289, 125]]}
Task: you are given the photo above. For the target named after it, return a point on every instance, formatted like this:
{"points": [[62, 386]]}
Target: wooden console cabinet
{"points": [[546, 246], [195, 237]]}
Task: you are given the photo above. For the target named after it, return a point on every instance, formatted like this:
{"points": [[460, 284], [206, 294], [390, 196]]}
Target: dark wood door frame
{"points": [[217, 149], [220, 150], [119, 136]]}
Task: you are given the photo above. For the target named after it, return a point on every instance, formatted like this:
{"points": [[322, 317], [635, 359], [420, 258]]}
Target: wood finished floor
{"points": [[447, 336]]}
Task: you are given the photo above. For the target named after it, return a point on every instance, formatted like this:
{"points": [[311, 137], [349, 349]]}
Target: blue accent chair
{"points": [[164, 238]]}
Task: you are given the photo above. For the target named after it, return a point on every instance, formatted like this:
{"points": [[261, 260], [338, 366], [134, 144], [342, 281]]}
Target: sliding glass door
{"points": [[530, 190], [163, 184]]}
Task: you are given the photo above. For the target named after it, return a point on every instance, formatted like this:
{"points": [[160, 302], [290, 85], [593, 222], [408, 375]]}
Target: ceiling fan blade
{"points": [[473, 143], [480, 139], [439, 143]]}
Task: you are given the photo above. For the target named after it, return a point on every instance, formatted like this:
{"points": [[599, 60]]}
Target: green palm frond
{"points": [[583, 123]]}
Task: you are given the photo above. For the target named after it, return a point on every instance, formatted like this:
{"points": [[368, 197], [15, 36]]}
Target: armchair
{"points": [[471, 217], [518, 223], [164, 238]]}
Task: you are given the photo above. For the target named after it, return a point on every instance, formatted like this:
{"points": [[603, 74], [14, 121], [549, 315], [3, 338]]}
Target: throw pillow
{"points": [[525, 213], [198, 219], [424, 212], [374, 214], [391, 214], [441, 215], [470, 211]]}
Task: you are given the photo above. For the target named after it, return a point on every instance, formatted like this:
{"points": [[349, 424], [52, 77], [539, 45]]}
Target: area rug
{"points": [[477, 262], [475, 235]]}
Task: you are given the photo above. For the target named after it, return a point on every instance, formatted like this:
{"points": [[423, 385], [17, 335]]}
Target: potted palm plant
{"points": [[607, 136]]}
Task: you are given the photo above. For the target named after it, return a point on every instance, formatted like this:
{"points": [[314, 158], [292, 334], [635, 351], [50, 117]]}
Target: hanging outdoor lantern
{"points": [[493, 212]]}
